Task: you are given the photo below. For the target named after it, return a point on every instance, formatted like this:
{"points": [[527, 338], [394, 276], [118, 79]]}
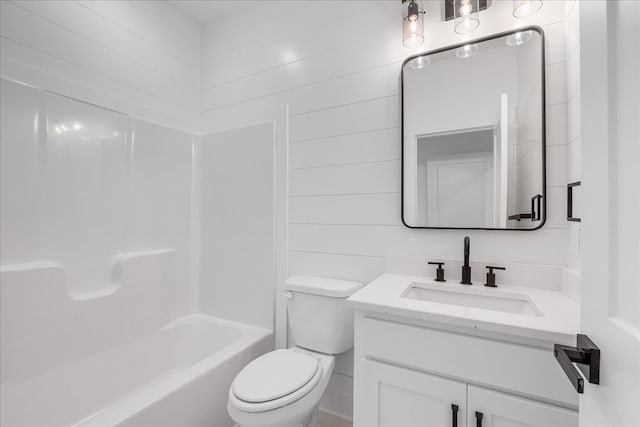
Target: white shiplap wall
{"points": [[338, 71], [336, 65], [574, 172], [138, 57]]}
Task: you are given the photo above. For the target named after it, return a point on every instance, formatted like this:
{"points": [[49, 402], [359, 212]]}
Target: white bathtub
{"points": [[177, 376]]}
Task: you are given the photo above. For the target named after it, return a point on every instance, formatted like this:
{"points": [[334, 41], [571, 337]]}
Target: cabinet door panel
{"points": [[503, 410], [390, 396]]}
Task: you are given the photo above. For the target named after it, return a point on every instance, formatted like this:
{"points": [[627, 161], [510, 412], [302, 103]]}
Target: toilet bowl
{"points": [[283, 388]]}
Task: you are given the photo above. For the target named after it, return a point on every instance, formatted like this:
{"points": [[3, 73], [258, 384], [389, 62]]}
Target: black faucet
{"points": [[466, 269]]}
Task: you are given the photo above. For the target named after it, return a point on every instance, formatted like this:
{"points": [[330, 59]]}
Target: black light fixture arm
{"points": [[413, 10]]}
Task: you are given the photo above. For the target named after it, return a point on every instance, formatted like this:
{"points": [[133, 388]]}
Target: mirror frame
{"points": [[543, 218]]}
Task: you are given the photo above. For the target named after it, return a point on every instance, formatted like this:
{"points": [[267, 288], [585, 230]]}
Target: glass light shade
{"points": [[524, 8], [413, 30], [521, 37], [419, 62], [467, 50], [465, 14]]}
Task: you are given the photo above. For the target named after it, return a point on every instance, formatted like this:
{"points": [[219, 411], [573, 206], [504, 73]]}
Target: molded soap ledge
{"points": [[36, 302], [28, 266], [126, 268]]}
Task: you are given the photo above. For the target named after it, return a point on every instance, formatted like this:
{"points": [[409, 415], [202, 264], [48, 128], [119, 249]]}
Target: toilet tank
{"points": [[319, 319]]}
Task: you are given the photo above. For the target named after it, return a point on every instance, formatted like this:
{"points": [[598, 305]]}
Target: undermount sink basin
{"points": [[488, 299]]}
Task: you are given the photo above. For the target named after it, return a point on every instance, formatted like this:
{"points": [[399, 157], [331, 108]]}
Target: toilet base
{"points": [[313, 420]]}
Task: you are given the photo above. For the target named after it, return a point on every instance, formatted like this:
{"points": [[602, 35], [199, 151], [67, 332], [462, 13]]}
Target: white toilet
{"points": [[283, 388]]}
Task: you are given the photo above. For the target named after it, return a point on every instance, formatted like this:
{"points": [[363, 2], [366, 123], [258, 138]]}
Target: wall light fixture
{"points": [[413, 26]]}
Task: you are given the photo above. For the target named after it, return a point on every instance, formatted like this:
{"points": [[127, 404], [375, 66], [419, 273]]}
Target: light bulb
{"points": [[465, 8], [77, 126], [413, 26], [466, 19], [64, 128]]}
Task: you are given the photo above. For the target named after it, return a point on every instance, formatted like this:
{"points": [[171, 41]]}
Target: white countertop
{"points": [[558, 321]]}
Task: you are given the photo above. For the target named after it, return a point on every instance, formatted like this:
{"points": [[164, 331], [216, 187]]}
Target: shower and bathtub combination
{"points": [[103, 319]]}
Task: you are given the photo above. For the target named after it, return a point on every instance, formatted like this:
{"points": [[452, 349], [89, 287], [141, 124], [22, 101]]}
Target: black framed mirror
{"points": [[473, 134]]}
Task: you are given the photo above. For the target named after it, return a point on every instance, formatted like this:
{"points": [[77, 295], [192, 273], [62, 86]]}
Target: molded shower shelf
{"points": [[48, 273]]}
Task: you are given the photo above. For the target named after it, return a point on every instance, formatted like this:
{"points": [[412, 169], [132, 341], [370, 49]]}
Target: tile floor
{"points": [[329, 420]]}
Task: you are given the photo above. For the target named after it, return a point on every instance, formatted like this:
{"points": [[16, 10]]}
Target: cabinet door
{"points": [[504, 410], [390, 396]]}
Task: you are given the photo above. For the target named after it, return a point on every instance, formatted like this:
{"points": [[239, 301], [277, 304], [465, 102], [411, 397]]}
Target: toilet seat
{"points": [[275, 379]]}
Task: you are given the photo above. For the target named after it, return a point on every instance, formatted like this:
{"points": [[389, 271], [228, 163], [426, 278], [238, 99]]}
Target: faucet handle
{"points": [[439, 271], [491, 276]]}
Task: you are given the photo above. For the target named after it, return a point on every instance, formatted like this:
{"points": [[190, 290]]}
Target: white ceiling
{"points": [[206, 12]]}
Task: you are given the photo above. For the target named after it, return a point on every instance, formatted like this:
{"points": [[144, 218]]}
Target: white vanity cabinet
{"points": [[393, 396], [410, 373]]}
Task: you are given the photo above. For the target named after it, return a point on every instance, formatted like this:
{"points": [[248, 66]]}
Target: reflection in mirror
{"points": [[473, 135]]}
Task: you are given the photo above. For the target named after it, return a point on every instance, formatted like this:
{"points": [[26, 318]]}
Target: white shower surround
{"points": [[99, 303]]}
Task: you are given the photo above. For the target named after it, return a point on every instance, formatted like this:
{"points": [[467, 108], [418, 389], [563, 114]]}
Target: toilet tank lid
{"points": [[322, 286]]}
